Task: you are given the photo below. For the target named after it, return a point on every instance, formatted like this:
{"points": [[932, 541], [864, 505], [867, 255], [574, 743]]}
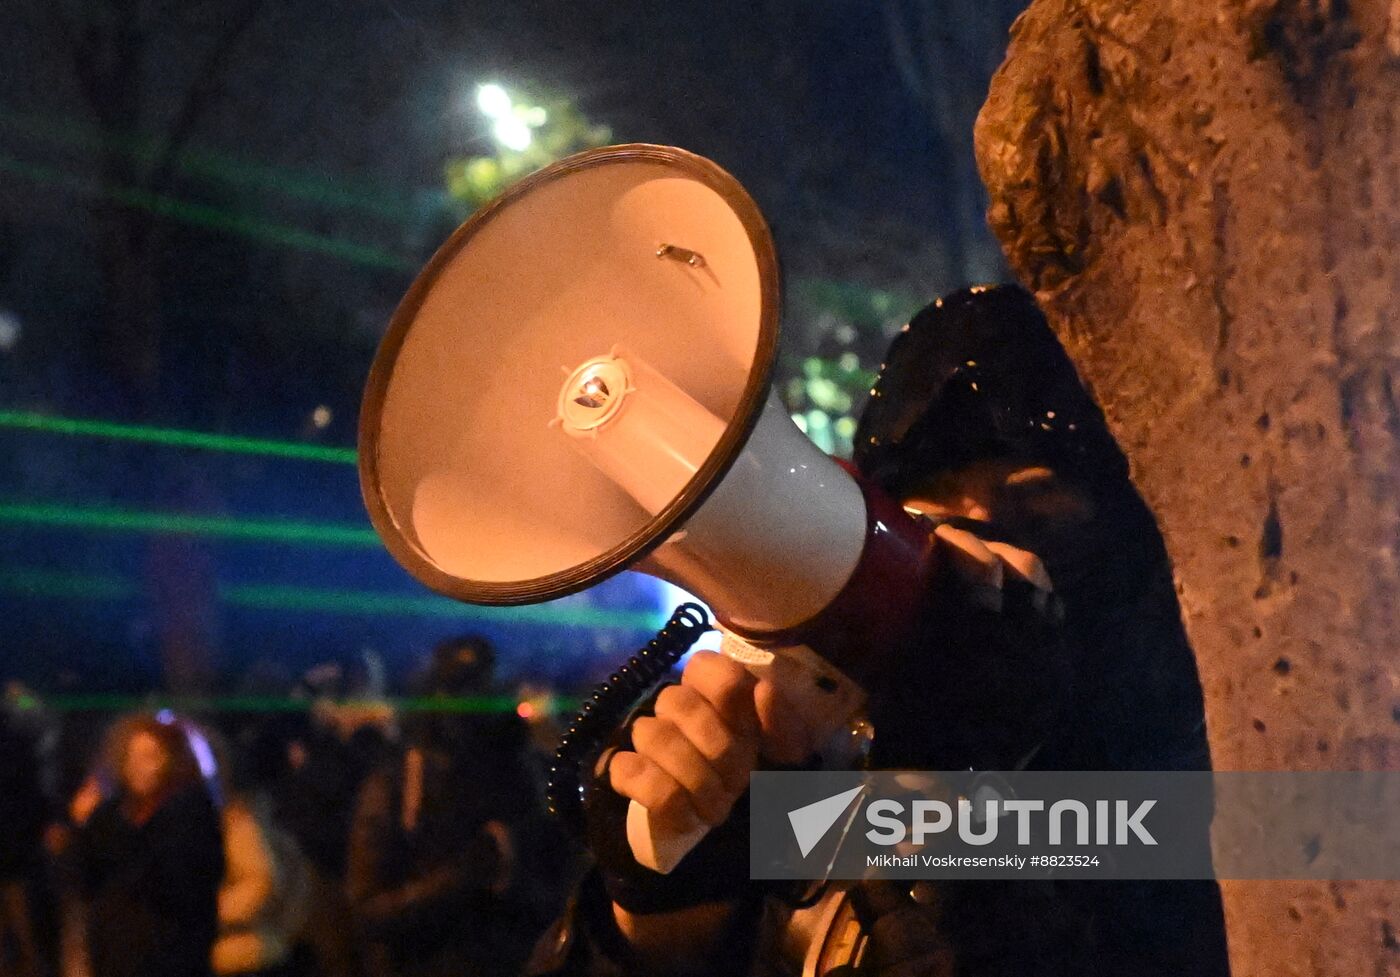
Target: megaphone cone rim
{"points": [[697, 490]]}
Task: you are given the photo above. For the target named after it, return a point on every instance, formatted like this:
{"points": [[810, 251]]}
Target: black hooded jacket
{"points": [[980, 375]]}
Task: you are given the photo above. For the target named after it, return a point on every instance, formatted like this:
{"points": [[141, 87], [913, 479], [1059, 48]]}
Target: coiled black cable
{"points": [[609, 705]]}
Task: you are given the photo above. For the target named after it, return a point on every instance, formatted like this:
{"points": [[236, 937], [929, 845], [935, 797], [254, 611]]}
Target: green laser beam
{"points": [[183, 524], [275, 597], [48, 584], [855, 299], [107, 702], [173, 437], [298, 185], [214, 218]]}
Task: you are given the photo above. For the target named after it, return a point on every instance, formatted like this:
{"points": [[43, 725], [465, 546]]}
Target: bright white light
{"points": [[534, 116], [511, 133], [493, 101], [321, 416], [9, 330]]}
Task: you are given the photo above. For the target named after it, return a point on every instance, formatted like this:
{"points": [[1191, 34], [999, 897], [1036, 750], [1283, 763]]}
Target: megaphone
{"points": [[578, 383]]}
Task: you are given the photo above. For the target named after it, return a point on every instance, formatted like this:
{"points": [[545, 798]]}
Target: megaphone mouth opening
{"points": [[391, 521]]}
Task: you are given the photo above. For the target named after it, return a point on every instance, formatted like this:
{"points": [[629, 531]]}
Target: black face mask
{"points": [[979, 375]]}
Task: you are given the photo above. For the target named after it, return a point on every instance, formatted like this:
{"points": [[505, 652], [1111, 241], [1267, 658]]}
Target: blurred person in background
{"points": [[357, 709], [549, 860], [316, 763], [325, 758], [149, 853], [264, 898], [23, 814], [433, 842]]}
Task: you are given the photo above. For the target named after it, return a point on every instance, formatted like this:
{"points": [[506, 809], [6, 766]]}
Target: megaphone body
{"points": [[577, 383]]}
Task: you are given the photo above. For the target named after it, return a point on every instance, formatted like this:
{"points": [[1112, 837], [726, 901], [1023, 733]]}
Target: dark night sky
{"points": [[379, 91]]}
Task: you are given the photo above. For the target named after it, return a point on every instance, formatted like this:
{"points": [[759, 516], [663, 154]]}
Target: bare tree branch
{"points": [[206, 86]]}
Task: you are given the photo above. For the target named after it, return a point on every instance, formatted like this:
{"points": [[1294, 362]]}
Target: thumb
{"points": [[787, 736]]}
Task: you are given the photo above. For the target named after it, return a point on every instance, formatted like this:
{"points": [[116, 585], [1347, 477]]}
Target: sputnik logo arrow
{"points": [[811, 823]]}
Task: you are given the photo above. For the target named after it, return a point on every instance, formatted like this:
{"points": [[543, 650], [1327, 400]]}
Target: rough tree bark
{"points": [[1206, 198]]}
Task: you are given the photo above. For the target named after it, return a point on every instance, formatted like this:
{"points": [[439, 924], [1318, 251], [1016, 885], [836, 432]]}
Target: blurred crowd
{"points": [[335, 836]]}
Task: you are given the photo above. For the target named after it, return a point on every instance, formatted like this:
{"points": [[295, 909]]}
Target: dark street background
{"points": [[209, 210]]}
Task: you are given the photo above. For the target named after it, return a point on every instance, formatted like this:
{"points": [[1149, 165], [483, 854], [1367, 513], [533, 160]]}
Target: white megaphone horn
{"points": [[578, 383]]}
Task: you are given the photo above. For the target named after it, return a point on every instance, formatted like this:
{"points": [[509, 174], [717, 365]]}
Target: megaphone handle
{"points": [[797, 670], [657, 850], [662, 851]]}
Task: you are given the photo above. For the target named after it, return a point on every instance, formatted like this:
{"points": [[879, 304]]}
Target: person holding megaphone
{"points": [[981, 589], [980, 423]]}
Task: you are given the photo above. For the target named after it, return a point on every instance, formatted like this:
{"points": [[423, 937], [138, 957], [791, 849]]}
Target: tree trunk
{"points": [[1206, 198]]}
